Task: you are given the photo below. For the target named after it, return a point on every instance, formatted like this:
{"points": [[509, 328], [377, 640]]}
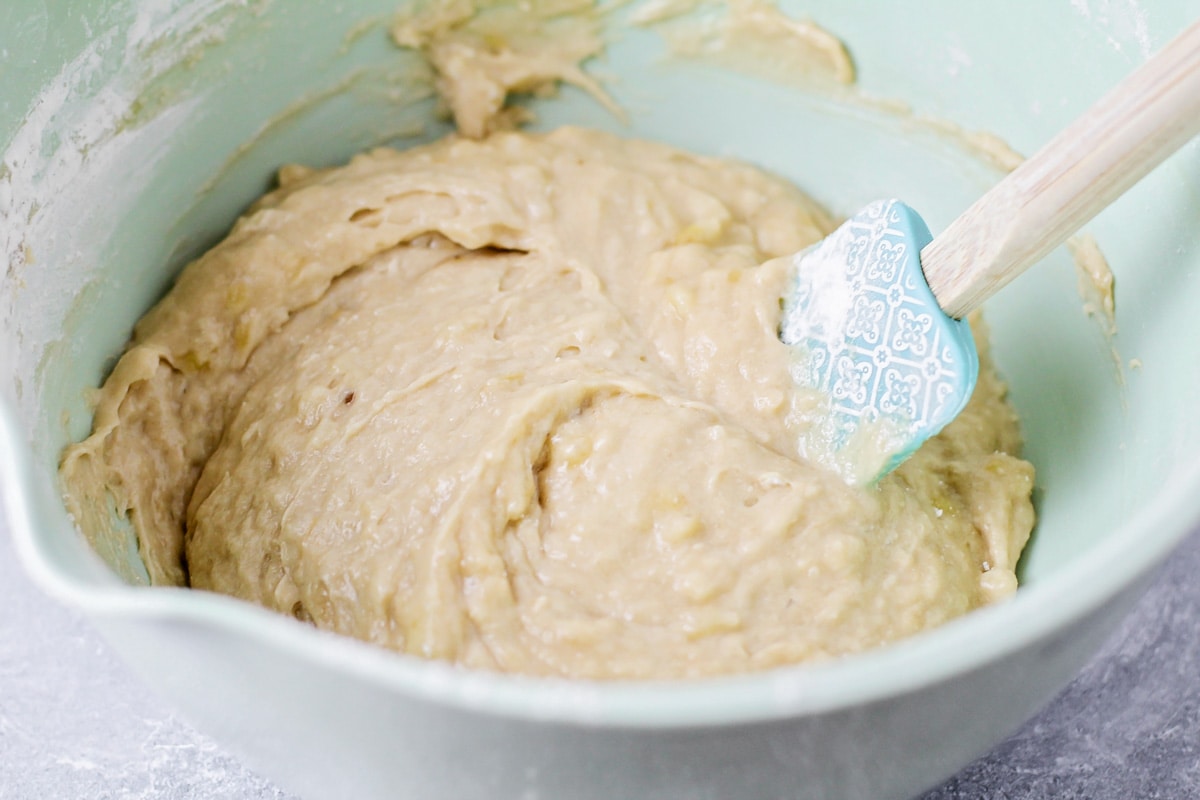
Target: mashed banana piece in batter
{"points": [[520, 404]]}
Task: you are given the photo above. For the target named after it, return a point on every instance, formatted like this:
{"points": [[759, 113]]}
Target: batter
{"points": [[520, 404]]}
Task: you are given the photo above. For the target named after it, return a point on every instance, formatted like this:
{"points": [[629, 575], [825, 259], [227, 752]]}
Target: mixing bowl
{"points": [[134, 134]]}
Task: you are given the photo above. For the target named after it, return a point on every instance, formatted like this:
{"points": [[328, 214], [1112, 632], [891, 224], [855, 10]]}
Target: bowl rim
{"points": [[1036, 612]]}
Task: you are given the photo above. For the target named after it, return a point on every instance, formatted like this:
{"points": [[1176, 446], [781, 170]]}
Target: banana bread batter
{"points": [[520, 404]]}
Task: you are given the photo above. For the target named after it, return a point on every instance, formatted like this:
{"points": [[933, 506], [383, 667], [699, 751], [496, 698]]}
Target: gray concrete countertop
{"points": [[75, 723]]}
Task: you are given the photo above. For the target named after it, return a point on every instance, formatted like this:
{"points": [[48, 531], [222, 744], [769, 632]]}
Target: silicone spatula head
{"points": [[871, 342]]}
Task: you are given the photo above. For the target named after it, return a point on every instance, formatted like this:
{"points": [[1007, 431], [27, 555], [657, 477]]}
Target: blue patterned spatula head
{"points": [[886, 366]]}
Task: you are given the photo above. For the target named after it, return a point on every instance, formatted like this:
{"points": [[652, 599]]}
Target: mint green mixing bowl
{"points": [[135, 132]]}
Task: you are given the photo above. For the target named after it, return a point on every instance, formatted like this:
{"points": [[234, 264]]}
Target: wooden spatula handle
{"points": [[1132, 129]]}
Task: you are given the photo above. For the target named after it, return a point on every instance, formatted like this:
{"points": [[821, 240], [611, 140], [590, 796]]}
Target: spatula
{"points": [[875, 316]]}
